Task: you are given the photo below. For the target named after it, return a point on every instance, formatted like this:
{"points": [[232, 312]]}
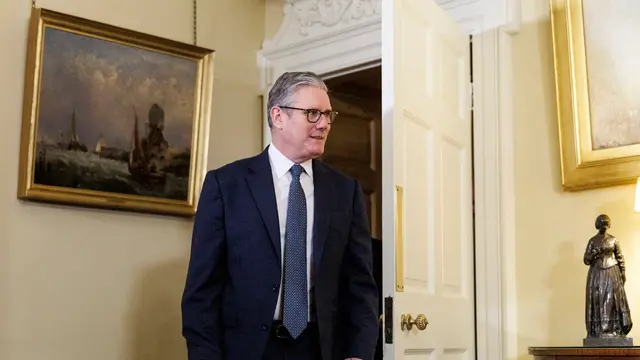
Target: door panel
{"points": [[427, 181]]}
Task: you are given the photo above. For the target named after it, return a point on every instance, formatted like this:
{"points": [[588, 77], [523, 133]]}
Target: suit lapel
{"points": [[260, 181], [322, 198]]}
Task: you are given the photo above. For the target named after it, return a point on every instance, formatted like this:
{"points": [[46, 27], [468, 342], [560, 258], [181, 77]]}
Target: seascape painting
{"points": [[114, 118], [119, 118]]}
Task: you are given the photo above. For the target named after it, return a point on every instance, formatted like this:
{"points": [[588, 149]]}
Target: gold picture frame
{"points": [[596, 148], [113, 118]]}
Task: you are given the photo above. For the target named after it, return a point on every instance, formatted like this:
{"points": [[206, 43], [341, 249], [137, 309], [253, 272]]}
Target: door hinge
{"points": [[388, 320]]}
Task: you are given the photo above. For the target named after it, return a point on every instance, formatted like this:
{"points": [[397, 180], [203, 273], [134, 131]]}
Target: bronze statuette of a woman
{"points": [[607, 315]]}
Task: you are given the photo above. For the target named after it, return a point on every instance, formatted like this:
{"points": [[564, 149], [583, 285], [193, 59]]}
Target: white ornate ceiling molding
{"points": [[306, 20]]}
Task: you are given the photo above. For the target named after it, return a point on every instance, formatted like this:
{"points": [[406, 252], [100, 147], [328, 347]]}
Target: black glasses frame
{"points": [[329, 114]]}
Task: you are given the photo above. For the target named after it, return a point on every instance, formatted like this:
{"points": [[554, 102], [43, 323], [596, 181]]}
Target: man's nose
{"points": [[323, 123]]}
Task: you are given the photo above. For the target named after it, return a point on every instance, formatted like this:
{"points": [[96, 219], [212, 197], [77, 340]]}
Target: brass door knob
{"points": [[407, 322]]}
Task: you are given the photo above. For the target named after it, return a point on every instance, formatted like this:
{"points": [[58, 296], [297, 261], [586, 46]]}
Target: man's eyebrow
{"points": [[318, 108]]}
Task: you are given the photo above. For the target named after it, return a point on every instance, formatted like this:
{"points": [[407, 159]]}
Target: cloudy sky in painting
{"points": [[104, 82]]}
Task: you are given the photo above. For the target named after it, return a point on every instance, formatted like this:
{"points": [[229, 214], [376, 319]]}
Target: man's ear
{"points": [[276, 117]]}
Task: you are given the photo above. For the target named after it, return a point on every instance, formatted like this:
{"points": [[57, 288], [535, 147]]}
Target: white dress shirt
{"points": [[280, 167]]}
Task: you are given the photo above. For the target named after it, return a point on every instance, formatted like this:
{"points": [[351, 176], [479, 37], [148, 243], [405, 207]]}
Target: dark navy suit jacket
{"points": [[234, 272]]}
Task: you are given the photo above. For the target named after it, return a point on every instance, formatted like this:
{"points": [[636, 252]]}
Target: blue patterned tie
{"points": [[295, 258]]}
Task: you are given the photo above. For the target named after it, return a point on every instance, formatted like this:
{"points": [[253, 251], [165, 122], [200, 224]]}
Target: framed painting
{"points": [[113, 118], [597, 85]]}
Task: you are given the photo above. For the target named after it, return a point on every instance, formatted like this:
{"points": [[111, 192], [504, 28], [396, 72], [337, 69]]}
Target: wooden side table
{"points": [[585, 353]]}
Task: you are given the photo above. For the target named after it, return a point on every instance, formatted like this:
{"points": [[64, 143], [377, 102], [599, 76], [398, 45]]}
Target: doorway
{"points": [[353, 146]]}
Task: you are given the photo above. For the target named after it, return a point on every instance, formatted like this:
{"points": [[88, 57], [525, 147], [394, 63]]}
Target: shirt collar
{"points": [[281, 164]]}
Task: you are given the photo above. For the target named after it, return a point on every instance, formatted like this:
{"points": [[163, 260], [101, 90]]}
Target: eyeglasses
{"points": [[314, 115]]}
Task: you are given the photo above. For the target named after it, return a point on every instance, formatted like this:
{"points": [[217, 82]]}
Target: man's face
{"points": [[305, 139]]}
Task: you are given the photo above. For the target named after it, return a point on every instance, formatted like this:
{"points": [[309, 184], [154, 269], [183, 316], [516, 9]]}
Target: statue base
{"points": [[612, 341]]}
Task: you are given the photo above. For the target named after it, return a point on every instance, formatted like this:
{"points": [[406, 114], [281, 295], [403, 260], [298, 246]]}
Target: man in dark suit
{"points": [[281, 263]]}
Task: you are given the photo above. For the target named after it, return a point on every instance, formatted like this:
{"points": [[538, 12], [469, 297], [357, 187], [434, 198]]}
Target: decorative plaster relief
{"points": [[329, 13], [308, 19]]}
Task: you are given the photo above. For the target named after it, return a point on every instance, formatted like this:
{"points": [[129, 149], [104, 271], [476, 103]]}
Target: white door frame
{"points": [[338, 37]]}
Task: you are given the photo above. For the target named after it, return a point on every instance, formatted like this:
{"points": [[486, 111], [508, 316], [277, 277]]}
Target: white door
{"points": [[427, 184]]}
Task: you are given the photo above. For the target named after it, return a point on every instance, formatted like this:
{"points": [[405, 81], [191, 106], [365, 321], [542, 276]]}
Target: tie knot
{"points": [[296, 170]]}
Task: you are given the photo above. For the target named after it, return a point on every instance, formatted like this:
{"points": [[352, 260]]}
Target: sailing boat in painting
{"points": [[147, 156], [74, 140]]}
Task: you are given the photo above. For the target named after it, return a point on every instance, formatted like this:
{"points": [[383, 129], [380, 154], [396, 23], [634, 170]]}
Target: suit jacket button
{"points": [[275, 288], [264, 327]]}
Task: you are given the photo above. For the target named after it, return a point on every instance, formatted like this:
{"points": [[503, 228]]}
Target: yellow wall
{"points": [[273, 15], [553, 227], [83, 284]]}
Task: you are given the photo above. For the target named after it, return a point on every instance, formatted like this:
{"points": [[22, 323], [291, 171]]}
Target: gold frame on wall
{"points": [[194, 172], [582, 166]]}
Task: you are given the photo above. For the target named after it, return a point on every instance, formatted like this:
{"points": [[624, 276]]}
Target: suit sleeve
{"points": [[201, 300], [360, 304]]}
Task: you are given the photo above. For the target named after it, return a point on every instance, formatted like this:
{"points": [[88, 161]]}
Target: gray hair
{"points": [[281, 94]]}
